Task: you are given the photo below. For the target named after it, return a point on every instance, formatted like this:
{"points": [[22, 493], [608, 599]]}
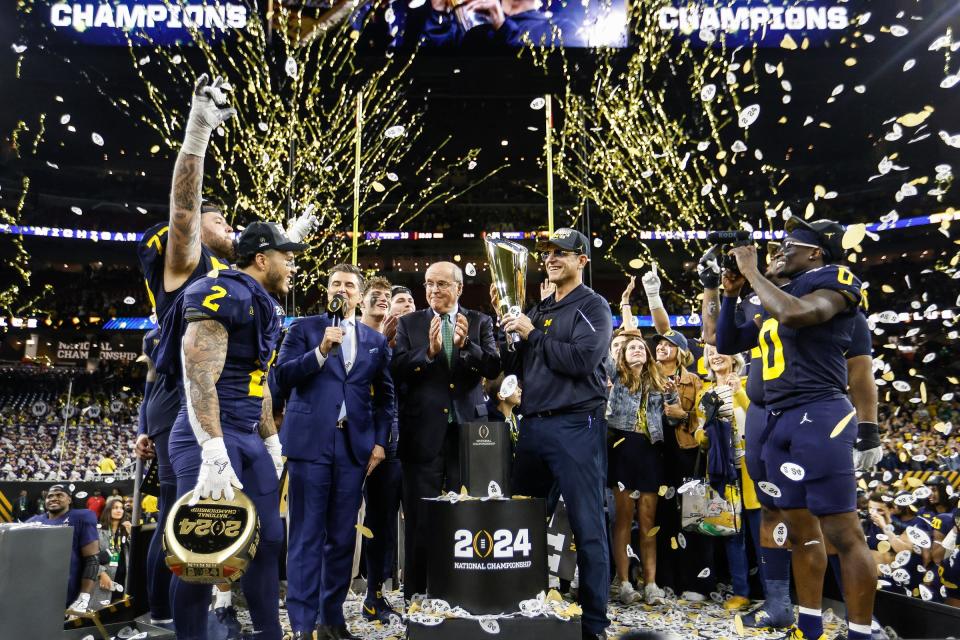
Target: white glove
{"points": [[866, 460], [276, 452], [209, 109], [303, 226], [651, 285], [81, 603], [725, 393], [217, 478]]}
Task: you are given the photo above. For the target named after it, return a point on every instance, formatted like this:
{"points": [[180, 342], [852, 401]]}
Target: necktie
{"points": [[446, 331], [346, 350]]}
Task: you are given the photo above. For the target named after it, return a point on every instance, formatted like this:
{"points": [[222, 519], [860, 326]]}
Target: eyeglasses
{"points": [[790, 244], [556, 253], [441, 285]]}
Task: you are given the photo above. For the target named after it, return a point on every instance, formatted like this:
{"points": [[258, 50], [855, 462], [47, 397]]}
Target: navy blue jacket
{"points": [[317, 392], [561, 363]]}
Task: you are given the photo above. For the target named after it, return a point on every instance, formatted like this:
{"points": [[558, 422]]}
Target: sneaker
{"points": [[692, 596], [614, 589], [735, 603], [227, 617], [761, 618], [375, 607], [629, 595], [653, 594]]}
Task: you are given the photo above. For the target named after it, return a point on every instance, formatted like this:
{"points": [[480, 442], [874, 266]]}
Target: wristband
{"points": [[868, 436]]}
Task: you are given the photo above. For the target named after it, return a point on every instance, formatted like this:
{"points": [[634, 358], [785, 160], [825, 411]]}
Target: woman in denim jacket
{"points": [[635, 461]]}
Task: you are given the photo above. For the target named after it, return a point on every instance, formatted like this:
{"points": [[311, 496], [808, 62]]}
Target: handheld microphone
{"points": [[335, 313], [721, 237]]}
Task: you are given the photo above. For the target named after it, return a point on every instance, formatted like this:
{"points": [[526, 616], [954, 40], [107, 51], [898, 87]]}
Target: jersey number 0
{"points": [[771, 350]]}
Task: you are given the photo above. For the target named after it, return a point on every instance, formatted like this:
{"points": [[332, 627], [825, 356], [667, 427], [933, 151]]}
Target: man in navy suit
{"points": [[335, 431], [442, 353]]}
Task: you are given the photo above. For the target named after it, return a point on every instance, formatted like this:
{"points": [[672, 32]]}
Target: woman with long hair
{"points": [[635, 460], [114, 543]]}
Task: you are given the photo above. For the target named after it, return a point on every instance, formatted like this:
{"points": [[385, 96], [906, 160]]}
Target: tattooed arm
{"points": [[183, 241], [710, 312], [204, 353], [267, 426]]}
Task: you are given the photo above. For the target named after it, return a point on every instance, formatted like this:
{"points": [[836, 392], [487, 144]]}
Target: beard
{"points": [[276, 281]]}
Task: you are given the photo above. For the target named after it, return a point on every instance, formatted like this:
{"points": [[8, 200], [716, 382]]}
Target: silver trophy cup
{"points": [[508, 267]]}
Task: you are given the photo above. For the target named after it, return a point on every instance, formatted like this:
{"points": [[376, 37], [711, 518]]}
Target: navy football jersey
{"points": [[861, 343], [253, 320], [150, 252], [84, 524], [805, 365], [941, 522], [748, 311]]}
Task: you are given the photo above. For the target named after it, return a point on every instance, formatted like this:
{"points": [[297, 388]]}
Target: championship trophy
{"points": [[508, 268], [212, 541]]}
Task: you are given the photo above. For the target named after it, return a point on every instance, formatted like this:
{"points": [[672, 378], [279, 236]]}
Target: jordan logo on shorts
{"points": [[805, 419]]}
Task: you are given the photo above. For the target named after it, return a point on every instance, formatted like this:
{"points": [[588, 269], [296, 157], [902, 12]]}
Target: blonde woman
{"points": [[635, 460], [725, 371]]}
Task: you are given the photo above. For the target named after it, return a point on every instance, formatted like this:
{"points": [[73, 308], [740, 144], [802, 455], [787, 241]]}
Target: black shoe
{"points": [[377, 608], [227, 617]]}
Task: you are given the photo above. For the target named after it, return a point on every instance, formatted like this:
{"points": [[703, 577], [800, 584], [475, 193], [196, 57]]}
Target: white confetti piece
{"points": [[949, 140], [708, 92], [860, 88], [922, 493], [705, 573], [769, 488], [925, 593], [81, 494], [904, 500], [950, 81], [470, 269], [793, 471], [290, 67], [901, 386], [537, 103], [918, 537], [493, 490], [65, 118], [909, 64], [901, 576], [77, 210], [415, 4], [899, 31], [489, 625], [395, 131], [895, 134], [939, 43], [738, 146], [780, 534], [97, 139], [748, 115], [687, 486], [837, 90], [682, 541], [262, 126]]}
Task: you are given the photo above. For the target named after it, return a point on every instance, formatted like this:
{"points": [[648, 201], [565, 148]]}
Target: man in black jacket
{"points": [[441, 354], [560, 361]]}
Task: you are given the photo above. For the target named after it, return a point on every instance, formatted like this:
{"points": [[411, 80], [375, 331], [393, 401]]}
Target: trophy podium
{"points": [[489, 551]]}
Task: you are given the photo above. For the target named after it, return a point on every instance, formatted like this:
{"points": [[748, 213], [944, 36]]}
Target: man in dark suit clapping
{"points": [[335, 429], [441, 355]]}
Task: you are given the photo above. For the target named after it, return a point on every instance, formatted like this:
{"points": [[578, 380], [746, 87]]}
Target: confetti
{"points": [[769, 488], [395, 131], [748, 115], [97, 139], [364, 531], [837, 430], [537, 103], [704, 573], [780, 534], [793, 471]]}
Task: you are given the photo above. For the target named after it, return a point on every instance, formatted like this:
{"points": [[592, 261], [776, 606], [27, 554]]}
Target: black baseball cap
{"points": [[262, 236], [399, 288], [826, 234], [568, 240], [62, 488]]}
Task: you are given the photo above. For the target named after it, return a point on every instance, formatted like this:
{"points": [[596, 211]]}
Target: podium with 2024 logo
{"points": [[488, 557]]}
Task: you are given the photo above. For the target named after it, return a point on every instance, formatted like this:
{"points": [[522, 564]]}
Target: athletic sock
{"points": [[858, 631], [223, 599], [776, 573], [810, 622]]}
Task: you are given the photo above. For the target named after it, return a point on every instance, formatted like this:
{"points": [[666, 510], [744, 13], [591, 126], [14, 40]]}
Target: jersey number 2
{"points": [[771, 350], [218, 292]]}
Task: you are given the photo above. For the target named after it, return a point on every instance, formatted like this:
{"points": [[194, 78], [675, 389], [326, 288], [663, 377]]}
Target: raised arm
{"points": [[708, 270], [814, 308], [651, 285], [208, 110]]}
